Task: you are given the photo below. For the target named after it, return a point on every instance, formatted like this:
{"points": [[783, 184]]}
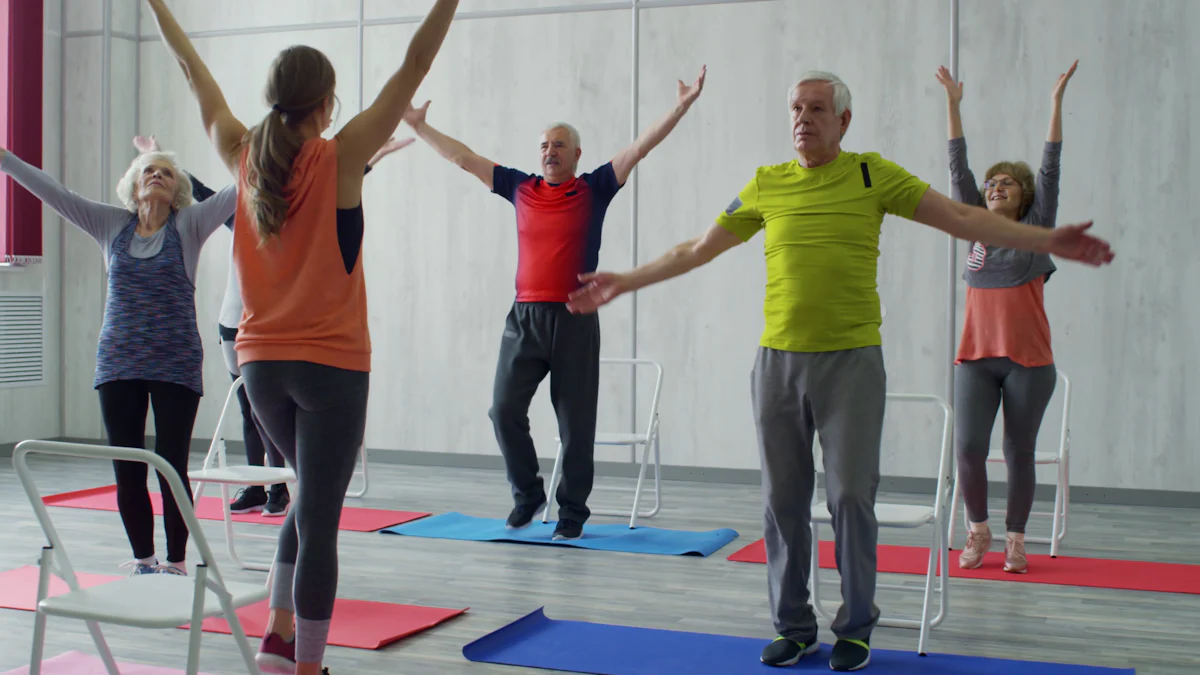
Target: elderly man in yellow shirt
{"points": [[819, 368]]}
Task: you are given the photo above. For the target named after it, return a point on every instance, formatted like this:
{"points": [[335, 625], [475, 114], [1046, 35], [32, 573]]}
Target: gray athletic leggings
{"points": [[979, 387], [315, 415]]}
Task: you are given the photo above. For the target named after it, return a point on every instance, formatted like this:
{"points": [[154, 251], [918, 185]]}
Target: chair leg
{"points": [[39, 619], [934, 556], [195, 629], [637, 491], [239, 633], [366, 479], [1056, 517], [558, 458], [953, 516]]}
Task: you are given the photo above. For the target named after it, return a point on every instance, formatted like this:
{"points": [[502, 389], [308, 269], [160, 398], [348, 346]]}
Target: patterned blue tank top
{"points": [[149, 330]]}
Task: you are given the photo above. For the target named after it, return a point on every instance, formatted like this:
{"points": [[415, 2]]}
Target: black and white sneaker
{"points": [[522, 514], [277, 501], [850, 655], [249, 500], [568, 529], [784, 652]]}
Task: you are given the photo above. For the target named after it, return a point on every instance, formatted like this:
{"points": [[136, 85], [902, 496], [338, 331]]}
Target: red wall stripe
{"points": [[21, 120]]}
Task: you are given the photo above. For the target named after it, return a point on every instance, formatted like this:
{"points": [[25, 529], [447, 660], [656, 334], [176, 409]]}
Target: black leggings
{"points": [[123, 404]]}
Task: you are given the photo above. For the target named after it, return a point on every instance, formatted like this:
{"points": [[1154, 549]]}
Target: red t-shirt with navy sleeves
{"points": [[558, 228]]}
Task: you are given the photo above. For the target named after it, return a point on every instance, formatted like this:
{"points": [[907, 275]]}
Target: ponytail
{"points": [[273, 145]]}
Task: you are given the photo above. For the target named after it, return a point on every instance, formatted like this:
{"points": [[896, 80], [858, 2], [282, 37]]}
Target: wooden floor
{"points": [[1153, 632]]}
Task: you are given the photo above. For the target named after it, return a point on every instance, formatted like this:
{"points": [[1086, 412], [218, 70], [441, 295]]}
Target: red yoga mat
{"points": [[361, 624], [1127, 575], [18, 588], [354, 519]]}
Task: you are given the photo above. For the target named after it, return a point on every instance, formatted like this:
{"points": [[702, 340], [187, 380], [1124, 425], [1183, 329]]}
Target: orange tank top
{"points": [[300, 304], [1007, 322]]}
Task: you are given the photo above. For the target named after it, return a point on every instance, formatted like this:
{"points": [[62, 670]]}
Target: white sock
{"points": [[979, 527], [181, 565], [151, 561]]}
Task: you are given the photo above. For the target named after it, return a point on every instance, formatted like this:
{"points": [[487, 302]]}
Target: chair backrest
{"points": [[216, 449], [945, 467], [103, 452], [652, 422]]}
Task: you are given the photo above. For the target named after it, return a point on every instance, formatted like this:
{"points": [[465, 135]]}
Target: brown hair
{"points": [[1018, 171], [300, 81]]}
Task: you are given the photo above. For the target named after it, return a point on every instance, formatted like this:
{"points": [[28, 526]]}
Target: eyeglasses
{"points": [[1004, 183]]}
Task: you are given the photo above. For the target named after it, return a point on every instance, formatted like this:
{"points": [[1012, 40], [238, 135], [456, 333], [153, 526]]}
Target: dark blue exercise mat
{"points": [[605, 537], [537, 641]]}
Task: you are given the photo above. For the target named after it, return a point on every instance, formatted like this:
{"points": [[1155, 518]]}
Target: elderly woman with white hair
{"points": [[149, 351]]}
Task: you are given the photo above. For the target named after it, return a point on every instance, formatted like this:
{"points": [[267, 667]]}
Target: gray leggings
{"points": [[315, 415], [979, 387]]}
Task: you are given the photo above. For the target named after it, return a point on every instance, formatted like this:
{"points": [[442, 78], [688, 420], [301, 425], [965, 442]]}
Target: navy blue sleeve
{"points": [[505, 181], [200, 192], [603, 182]]}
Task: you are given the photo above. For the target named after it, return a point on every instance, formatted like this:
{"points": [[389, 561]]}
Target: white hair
{"points": [[571, 131], [127, 186], [841, 93]]}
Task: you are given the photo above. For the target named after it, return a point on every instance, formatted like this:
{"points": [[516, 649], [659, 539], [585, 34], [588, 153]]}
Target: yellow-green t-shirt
{"points": [[822, 246]]}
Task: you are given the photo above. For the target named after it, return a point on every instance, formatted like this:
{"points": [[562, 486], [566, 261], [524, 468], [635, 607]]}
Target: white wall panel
{"points": [[240, 14]]}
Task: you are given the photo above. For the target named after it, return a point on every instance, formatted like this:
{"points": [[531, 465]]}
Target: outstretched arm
{"points": [[362, 137], [1044, 209], [454, 151], [224, 130], [628, 158], [975, 224], [601, 288], [101, 221], [1054, 135]]}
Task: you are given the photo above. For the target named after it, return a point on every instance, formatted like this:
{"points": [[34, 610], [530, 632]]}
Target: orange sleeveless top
{"points": [[300, 304], [1007, 322]]}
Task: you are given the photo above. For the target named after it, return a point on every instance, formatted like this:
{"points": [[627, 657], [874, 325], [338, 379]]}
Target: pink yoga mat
{"points": [[354, 519], [78, 663], [18, 588]]}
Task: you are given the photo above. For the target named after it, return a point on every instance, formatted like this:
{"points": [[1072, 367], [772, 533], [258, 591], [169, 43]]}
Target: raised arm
{"points": [[362, 137], [628, 158], [1045, 196], [601, 288], [101, 221], [974, 224], [223, 129], [963, 186], [456, 152]]}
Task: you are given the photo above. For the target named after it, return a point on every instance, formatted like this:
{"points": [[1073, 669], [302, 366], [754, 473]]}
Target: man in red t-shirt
{"points": [[559, 220]]}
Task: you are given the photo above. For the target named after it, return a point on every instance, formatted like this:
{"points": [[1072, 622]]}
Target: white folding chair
{"points": [[218, 470], [140, 601], [906, 516], [1060, 459], [362, 457], [633, 440]]}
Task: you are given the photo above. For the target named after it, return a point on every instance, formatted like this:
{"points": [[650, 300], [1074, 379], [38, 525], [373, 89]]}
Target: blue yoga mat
{"points": [[536, 641], [597, 537]]}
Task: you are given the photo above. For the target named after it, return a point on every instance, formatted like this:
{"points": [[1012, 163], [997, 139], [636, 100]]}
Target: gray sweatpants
{"points": [[839, 396], [979, 387], [316, 416], [543, 338]]}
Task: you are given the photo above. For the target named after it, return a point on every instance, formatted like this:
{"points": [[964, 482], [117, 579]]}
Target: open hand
{"points": [[145, 145], [689, 94], [1061, 85], [388, 148], [599, 289], [954, 90], [416, 116], [1074, 243]]}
